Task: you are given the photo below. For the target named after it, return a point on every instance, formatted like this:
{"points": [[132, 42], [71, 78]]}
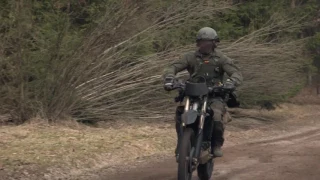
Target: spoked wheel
{"points": [[205, 170], [185, 155]]}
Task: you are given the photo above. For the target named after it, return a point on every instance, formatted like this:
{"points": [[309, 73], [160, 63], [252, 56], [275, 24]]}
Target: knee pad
{"points": [[217, 115]]}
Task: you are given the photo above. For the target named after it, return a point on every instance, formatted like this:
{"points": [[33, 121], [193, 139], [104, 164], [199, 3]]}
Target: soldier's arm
{"points": [[232, 70], [176, 66]]}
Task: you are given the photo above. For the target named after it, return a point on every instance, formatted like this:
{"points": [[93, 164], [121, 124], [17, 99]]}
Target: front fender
{"points": [[189, 117]]}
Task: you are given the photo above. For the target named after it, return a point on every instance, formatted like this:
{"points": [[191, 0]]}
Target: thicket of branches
{"points": [[102, 61]]}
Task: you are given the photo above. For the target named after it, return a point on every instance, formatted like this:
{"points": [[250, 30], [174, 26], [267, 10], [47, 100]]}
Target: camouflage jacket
{"points": [[212, 67]]}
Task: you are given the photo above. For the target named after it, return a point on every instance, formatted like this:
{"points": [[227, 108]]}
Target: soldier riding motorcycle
{"points": [[206, 67]]}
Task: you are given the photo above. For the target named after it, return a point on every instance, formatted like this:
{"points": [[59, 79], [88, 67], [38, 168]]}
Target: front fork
{"points": [[200, 128], [199, 137]]}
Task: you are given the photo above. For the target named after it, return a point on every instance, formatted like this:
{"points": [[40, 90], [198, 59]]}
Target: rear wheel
{"points": [[205, 170], [185, 150]]}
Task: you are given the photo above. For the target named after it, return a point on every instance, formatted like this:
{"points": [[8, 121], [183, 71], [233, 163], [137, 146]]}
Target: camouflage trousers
{"points": [[217, 121]]}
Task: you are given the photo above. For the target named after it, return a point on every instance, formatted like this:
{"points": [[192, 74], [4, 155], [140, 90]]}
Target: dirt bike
{"points": [[197, 113]]}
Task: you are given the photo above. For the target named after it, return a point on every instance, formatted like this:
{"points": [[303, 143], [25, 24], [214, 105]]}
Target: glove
{"points": [[229, 84], [168, 83]]}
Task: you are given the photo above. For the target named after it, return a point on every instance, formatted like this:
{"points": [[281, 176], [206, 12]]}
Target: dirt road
{"points": [[260, 145], [292, 156]]}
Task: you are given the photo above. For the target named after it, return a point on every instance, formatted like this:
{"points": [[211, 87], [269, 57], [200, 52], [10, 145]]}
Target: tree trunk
{"points": [[293, 4], [19, 59], [309, 78]]}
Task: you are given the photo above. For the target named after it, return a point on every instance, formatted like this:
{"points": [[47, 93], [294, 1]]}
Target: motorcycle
{"points": [[197, 113]]}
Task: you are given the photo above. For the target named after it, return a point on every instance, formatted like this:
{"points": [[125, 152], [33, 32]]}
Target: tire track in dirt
{"points": [[294, 156]]}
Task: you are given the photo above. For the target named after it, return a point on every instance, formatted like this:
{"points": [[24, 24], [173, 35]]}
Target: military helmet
{"points": [[207, 33]]}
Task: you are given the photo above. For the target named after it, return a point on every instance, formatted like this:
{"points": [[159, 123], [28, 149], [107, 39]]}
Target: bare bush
{"points": [[271, 69], [114, 72], [116, 82]]}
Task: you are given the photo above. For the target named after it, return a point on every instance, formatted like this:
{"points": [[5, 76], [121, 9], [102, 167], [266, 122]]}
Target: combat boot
{"points": [[216, 151]]}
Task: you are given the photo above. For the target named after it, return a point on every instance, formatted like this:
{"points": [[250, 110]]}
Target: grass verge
{"points": [[65, 151]]}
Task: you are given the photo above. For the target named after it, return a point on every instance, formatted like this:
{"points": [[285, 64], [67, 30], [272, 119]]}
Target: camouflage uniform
{"points": [[212, 67]]}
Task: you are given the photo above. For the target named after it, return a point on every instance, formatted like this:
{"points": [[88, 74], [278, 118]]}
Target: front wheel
{"points": [[205, 170], [185, 150]]}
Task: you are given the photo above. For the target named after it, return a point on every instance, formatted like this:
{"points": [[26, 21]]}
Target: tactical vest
{"points": [[210, 69]]}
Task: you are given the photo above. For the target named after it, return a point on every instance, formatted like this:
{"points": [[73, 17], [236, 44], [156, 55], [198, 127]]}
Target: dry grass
{"points": [[73, 150]]}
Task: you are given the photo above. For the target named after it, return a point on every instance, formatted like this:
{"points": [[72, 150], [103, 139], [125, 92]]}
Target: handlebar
{"points": [[212, 89], [178, 85], [216, 90]]}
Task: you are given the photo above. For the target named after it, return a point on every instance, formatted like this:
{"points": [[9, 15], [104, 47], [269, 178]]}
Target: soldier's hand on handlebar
{"points": [[229, 84], [168, 83]]}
